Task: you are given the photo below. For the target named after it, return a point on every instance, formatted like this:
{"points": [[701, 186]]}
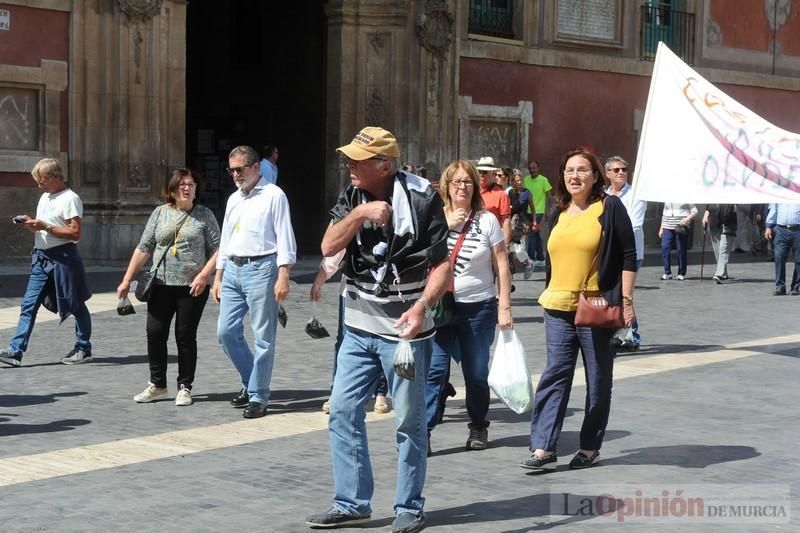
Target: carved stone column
{"points": [[391, 63], [127, 114]]}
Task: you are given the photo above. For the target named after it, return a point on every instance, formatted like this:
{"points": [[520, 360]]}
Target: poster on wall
{"points": [[699, 145]]}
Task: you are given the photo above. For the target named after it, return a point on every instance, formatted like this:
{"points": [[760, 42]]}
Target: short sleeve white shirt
{"points": [[56, 209], [474, 274]]}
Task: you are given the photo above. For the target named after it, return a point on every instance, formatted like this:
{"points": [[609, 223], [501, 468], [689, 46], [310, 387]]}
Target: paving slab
{"points": [[706, 405]]}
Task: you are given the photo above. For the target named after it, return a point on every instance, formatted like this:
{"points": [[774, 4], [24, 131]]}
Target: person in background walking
{"points": [[722, 222], [58, 279], [540, 188], [675, 224], [186, 235], [783, 229], [617, 176]]}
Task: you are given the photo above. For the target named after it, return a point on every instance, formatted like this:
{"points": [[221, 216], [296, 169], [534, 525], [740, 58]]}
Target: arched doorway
{"points": [[256, 75]]}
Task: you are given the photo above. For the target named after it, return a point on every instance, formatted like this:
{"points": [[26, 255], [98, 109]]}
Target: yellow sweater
{"points": [[571, 247]]}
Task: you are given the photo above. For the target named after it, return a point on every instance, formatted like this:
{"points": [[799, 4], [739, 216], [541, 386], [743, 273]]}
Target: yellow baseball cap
{"points": [[370, 142]]}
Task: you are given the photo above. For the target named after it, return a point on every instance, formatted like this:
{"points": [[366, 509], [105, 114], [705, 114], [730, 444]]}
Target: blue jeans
{"points": [[468, 339], [41, 274], [563, 340], [250, 287], [382, 386], [681, 242], [783, 240], [361, 359], [535, 247], [637, 339]]}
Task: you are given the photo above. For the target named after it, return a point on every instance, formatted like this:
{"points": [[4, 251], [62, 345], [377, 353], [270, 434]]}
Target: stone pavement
{"points": [[707, 408]]}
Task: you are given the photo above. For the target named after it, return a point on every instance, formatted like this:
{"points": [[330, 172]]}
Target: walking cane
{"points": [[703, 251]]}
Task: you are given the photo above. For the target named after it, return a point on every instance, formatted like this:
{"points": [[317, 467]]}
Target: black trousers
{"points": [[168, 301]]}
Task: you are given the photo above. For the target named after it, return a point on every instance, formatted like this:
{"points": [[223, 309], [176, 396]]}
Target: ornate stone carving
{"points": [[378, 41], [140, 10], [434, 27], [713, 33], [137, 180], [375, 108]]}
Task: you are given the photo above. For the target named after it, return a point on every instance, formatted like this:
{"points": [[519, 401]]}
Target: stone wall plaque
{"points": [[588, 20], [497, 139], [19, 119]]}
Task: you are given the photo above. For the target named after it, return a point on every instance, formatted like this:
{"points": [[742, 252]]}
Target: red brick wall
{"points": [[572, 107], [35, 34]]}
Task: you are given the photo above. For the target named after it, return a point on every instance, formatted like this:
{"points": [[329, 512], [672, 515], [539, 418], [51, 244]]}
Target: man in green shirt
{"points": [[540, 188]]}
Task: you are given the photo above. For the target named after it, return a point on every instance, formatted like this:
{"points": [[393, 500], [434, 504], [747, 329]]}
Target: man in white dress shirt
{"points": [[617, 174], [256, 251]]}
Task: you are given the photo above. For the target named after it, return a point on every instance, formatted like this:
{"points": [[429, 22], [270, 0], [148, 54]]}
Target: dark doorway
{"points": [[256, 75]]}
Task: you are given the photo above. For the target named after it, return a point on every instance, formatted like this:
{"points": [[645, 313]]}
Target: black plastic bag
{"points": [[125, 307], [314, 328], [282, 316]]}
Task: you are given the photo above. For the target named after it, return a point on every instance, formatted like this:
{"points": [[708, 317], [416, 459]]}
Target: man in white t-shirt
{"points": [[57, 278]]}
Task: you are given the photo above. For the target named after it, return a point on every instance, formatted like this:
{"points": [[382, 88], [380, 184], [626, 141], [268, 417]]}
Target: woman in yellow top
{"points": [[586, 223]]}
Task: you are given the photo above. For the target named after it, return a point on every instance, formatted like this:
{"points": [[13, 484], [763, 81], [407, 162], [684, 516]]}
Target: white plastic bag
{"points": [[509, 377], [404, 364], [622, 337]]}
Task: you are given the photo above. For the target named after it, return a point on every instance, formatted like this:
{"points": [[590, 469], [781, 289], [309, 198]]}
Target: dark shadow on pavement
{"points": [[788, 349], [655, 349], [534, 506], [528, 320], [7, 430], [683, 455], [128, 360], [284, 401], [18, 400], [569, 440]]}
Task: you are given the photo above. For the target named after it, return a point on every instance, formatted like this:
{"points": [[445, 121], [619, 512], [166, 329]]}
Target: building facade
{"points": [[122, 91]]}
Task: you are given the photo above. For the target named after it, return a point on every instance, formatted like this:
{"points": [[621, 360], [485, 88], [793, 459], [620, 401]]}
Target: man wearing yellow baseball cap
{"points": [[392, 225]]}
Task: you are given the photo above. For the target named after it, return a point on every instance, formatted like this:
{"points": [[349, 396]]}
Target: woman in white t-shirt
{"points": [[469, 335]]}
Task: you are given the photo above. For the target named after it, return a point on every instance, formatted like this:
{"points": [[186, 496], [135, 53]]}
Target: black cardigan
{"points": [[617, 248]]}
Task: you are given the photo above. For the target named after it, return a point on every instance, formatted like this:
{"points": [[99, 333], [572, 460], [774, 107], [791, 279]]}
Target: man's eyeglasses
{"points": [[618, 170], [569, 172], [240, 170], [462, 183]]}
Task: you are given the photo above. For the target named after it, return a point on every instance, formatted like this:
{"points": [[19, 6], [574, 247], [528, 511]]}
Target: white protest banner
{"points": [[699, 145]]}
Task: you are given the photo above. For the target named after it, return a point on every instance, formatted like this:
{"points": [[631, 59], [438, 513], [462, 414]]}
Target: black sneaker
{"points": [[478, 438], [582, 461], [241, 400], [10, 358], [77, 356], [335, 518], [534, 462], [780, 291], [795, 292], [408, 523]]}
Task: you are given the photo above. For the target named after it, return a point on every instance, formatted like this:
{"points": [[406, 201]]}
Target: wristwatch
{"points": [[628, 300], [425, 305]]}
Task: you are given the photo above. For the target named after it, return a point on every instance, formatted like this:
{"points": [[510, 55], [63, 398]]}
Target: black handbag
{"points": [[444, 310], [147, 279]]}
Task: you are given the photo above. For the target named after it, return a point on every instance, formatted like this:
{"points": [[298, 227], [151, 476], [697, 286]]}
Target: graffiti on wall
{"points": [[19, 119]]}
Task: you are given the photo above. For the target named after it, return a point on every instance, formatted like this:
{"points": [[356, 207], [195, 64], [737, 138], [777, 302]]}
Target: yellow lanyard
{"points": [[178, 229]]}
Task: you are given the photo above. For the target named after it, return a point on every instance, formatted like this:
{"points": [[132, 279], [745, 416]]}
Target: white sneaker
{"points": [[150, 393], [184, 397], [681, 277], [666, 276], [528, 270]]}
